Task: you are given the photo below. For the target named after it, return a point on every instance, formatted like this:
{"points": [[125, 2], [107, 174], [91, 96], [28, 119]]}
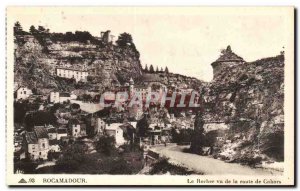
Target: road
{"points": [[207, 165]]}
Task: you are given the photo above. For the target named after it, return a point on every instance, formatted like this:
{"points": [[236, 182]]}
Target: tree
{"points": [[121, 166], [41, 29], [33, 30], [18, 28], [39, 118], [198, 138], [151, 70], [142, 126], [106, 144], [73, 156], [125, 39], [161, 69], [156, 69], [166, 70], [146, 68]]}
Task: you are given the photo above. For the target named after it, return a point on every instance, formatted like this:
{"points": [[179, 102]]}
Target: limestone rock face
{"points": [[249, 98], [35, 63]]}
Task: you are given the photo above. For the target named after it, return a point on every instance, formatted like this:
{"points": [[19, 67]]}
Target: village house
{"points": [[52, 133], [36, 143], [71, 73], [60, 97], [115, 130], [99, 126], [23, 93], [54, 148], [77, 128], [61, 132]]}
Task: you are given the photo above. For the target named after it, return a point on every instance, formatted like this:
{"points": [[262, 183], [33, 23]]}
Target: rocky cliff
{"points": [[249, 99], [37, 56]]}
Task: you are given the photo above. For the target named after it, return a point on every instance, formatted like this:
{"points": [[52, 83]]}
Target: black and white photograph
{"points": [[136, 95]]}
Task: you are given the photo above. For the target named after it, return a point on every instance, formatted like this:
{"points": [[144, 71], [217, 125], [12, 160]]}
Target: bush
{"points": [[120, 166], [72, 157], [106, 145]]}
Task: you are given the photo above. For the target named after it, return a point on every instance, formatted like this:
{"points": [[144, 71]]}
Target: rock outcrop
{"points": [[36, 59], [249, 98]]}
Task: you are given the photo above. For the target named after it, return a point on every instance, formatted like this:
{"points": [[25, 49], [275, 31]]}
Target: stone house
{"points": [[71, 73], [36, 143], [77, 128], [52, 133], [116, 131], [60, 97], [23, 93], [99, 126], [61, 132]]}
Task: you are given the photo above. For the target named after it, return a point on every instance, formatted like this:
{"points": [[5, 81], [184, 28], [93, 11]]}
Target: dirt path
{"points": [[207, 165]]}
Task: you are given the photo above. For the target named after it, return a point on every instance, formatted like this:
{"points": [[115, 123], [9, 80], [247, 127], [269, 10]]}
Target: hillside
{"points": [[37, 56]]}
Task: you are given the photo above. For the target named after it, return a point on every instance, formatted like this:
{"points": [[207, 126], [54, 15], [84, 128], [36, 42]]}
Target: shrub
{"points": [[106, 145]]}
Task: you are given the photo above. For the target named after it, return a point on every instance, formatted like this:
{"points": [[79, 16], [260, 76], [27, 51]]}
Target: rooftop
{"points": [[51, 130], [113, 126], [228, 56], [41, 132], [62, 131], [63, 94], [30, 137]]}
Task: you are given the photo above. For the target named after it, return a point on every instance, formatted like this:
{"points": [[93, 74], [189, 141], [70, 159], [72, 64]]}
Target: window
{"points": [[24, 92], [75, 130], [43, 145], [40, 153]]}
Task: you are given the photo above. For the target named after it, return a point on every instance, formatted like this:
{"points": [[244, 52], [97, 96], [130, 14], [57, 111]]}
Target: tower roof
{"points": [[228, 56]]}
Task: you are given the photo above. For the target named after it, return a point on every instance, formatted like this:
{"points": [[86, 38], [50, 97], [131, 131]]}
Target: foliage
{"points": [[106, 144], [124, 40], [39, 118], [18, 29], [151, 69], [146, 69], [142, 126], [72, 157], [198, 138], [182, 136], [20, 109], [25, 165], [166, 70], [78, 36], [120, 166]]}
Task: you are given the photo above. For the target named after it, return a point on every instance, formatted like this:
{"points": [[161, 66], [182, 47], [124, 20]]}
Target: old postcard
{"points": [[150, 96]]}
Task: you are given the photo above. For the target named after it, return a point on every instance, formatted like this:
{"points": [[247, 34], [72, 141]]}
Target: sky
{"points": [[186, 40]]}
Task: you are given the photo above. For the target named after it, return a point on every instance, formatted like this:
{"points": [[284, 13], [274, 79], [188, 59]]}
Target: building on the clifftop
{"points": [[106, 37], [227, 59], [77, 74]]}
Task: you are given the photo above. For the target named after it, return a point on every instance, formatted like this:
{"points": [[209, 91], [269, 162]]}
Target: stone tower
{"points": [[227, 59]]}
